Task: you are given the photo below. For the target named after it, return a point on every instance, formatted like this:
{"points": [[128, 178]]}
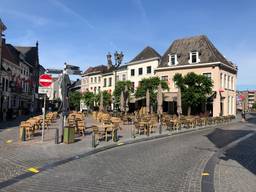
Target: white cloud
{"points": [[34, 19], [71, 12], [142, 11]]}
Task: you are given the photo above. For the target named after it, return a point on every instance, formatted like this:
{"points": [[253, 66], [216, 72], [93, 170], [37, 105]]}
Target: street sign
{"points": [[54, 71], [45, 80], [45, 90]]}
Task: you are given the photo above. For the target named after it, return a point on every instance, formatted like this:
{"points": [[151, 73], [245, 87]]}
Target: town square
{"points": [[129, 95]]}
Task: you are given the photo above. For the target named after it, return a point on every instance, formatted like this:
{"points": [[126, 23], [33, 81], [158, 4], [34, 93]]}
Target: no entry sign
{"points": [[45, 80]]}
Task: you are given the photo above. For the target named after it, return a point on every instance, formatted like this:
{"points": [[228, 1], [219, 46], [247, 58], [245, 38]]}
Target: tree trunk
{"points": [[189, 110]]}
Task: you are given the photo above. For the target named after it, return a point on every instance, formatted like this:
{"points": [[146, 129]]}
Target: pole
{"points": [[43, 117]]}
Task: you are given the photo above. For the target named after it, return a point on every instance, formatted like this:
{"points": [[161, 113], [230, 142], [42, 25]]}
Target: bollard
{"points": [[23, 134], [133, 132], [147, 126], [56, 136], [93, 140], [160, 127], [115, 136]]}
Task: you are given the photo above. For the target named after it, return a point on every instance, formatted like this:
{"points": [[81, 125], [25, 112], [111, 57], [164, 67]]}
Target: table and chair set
{"points": [[172, 122], [28, 128]]}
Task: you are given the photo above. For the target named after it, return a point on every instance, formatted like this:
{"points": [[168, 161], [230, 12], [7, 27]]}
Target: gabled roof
{"points": [[146, 53], [30, 53], [10, 53], [182, 47], [97, 69]]}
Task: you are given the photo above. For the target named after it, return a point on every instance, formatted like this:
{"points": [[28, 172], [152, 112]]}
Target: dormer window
{"points": [[173, 59], [194, 57]]}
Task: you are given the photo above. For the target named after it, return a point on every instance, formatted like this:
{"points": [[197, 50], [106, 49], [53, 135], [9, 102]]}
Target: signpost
{"points": [[45, 80], [64, 83]]}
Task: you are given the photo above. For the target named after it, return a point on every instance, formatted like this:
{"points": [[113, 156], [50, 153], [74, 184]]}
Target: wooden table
{"points": [[106, 128], [146, 126]]}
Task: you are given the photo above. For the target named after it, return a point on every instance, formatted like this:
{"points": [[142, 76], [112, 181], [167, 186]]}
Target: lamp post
{"points": [[118, 60]]}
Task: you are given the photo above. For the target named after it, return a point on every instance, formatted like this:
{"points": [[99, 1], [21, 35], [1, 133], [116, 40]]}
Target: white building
{"points": [[142, 66]]}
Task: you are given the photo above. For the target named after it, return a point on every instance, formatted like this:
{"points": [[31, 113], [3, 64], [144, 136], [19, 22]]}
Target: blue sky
{"points": [[81, 32]]}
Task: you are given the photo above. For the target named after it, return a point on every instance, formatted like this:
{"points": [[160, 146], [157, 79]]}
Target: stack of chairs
{"points": [[34, 124], [77, 121]]}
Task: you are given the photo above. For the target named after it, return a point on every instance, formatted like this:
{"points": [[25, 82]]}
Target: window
{"points": [[221, 80], [165, 78], [110, 81], [225, 81], [105, 82], [132, 72], [91, 80], [140, 71], [148, 69], [95, 79], [194, 58], [7, 85], [229, 82], [209, 75], [232, 83], [173, 59], [124, 77], [99, 79], [3, 84]]}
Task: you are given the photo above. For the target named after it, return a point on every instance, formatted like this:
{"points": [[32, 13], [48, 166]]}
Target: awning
{"points": [[133, 99], [170, 96]]}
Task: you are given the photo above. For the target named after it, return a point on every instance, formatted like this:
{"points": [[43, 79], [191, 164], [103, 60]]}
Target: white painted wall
{"points": [[142, 64]]}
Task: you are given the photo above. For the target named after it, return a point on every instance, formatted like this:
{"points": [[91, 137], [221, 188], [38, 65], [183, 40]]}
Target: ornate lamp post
{"points": [[118, 60]]}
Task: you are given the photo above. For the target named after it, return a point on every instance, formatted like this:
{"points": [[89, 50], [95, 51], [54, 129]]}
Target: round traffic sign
{"points": [[45, 80]]}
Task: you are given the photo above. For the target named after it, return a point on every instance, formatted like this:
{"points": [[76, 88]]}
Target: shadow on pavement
{"points": [[244, 152], [12, 123], [221, 138]]}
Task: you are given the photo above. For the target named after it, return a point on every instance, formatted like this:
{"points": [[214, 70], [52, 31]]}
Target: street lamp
{"points": [[118, 60]]}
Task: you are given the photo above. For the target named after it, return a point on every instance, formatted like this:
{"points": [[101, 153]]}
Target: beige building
{"points": [[102, 78], [197, 54]]}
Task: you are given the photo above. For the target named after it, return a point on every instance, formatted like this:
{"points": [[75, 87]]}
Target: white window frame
{"points": [[190, 57], [229, 87], [175, 59], [225, 81], [221, 80], [208, 74]]}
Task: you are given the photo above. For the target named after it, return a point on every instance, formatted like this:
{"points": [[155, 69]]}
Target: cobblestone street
{"points": [[172, 163]]}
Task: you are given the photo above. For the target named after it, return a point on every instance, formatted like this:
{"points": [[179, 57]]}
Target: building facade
{"points": [[19, 70], [246, 100], [143, 66], [195, 54]]}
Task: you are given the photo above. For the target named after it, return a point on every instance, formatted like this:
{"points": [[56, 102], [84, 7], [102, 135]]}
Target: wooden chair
{"points": [[81, 127]]}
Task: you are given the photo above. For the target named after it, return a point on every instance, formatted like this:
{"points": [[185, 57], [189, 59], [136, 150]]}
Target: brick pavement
{"points": [[17, 158]]}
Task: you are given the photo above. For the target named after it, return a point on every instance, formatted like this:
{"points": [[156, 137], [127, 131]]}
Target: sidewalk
{"points": [[9, 129]]}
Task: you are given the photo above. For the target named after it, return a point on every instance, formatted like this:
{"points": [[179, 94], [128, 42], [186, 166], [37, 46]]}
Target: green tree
{"points": [[120, 86], [150, 84], [106, 98], [254, 106], [74, 100], [88, 98], [194, 89]]}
